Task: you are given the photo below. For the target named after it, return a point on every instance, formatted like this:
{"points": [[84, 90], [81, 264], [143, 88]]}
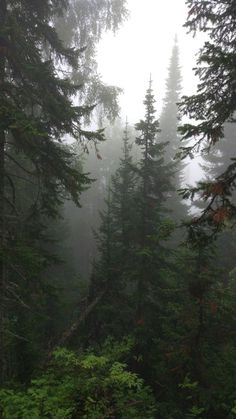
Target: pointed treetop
{"points": [[149, 90], [126, 123], [126, 132], [126, 140], [150, 81], [173, 82], [149, 126], [149, 101]]}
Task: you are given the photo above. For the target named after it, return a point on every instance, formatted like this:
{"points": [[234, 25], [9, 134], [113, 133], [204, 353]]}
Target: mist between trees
{"points": [[117, 278]]}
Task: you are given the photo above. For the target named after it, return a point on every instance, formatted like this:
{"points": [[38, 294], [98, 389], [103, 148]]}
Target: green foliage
{"points": [[214, 104], [86, 385], [42, 104], [169, 122], [178, 305]]}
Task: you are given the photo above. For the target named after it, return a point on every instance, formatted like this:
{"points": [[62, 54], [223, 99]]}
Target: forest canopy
{"points": [[117, 296]]}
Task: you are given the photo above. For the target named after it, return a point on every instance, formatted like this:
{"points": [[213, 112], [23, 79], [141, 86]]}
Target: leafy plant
{"points": [[88, 386]]}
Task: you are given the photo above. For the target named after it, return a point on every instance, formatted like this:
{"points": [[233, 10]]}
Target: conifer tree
{"points": [[213, 165], [123, 192], [116, 246], [154, 179], [152, 229], [36, 112], [101, 165], [216, 162], [83, 25], [214, 103], [212, 110], [169, 122], [169, 119]]}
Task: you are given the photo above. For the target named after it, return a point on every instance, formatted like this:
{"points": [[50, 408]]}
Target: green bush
{"points": [[87, 386]]}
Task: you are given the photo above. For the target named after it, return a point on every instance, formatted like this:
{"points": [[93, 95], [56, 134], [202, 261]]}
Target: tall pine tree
{"points": [[152, 230], [116, 245], [169, 122], [169, 119], [36, 113]]}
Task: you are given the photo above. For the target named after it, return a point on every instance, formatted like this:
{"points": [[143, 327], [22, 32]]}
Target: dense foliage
{"points": [[85, 385], [214, 104], [40, 108], [151, 333], [169, 123]]}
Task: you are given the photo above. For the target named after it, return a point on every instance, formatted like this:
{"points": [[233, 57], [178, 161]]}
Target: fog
{"points": [[117, 265], [142, 46]]}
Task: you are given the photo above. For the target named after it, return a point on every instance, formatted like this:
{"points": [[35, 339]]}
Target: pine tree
{"points": [[214, 103], [154, 182], [169, 123], [152, 230], [83, 25], [36, 112], [116, 246], [211, 290], [101, 164], [123, 192], [169, 120], [213, 165], [195, 339]]}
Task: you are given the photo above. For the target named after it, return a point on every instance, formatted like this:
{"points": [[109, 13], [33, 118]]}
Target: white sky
{"points": [[142, 46]]}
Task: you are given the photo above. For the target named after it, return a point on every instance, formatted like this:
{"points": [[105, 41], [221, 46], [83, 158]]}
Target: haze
{"points": [[142, 46]]}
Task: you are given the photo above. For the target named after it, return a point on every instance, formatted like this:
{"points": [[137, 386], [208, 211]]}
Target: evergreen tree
{"points": [[195, 339], [116, 244], [36, 112], [101, 164], [152, 230], [154, 185], [213, 165], [123, 193], [214, 103], [169, 120], [41, 105], [169, 123], [83, 25], [210, 289]]}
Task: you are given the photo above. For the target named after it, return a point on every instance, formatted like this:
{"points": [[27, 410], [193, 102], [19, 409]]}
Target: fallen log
{"points": [[70, 331]]}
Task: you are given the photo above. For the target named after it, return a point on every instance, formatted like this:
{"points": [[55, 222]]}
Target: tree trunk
{"points": [[69, 333], [2, 216]]}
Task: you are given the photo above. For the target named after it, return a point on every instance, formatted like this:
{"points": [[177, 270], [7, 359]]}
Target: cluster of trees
{"points": [[175, 298], [43, 103], [151, 334]]}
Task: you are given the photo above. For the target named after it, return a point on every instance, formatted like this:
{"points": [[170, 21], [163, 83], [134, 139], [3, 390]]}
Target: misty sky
{"points": [[143, 46]]}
